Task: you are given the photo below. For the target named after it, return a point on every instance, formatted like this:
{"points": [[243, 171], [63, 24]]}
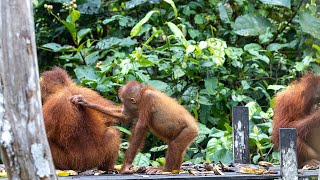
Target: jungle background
{"points": [[210, 55]]}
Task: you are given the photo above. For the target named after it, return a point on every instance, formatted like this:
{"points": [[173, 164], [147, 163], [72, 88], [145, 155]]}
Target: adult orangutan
{"points": [[298, 107], [81, 136], [148, 108]]}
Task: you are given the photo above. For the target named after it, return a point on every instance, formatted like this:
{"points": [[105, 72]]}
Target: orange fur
{"points": [[297, 107], [151, 109], [80, 138]]}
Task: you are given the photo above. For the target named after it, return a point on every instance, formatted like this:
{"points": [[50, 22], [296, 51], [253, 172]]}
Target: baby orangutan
{"points": [[299, 107], [150, 109], [80, 135]]}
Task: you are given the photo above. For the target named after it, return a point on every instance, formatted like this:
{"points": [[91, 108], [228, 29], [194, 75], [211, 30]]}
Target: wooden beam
{"points": [[240, 124], [288, 153], [23, 141]]}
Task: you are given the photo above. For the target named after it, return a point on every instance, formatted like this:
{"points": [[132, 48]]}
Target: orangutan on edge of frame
{"points": [[298, 107]]}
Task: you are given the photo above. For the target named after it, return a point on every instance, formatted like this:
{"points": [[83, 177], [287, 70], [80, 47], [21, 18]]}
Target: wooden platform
{"points": [[226, 176]]}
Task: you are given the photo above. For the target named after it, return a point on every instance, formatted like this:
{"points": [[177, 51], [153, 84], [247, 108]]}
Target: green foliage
{"points": [[210, 55]]}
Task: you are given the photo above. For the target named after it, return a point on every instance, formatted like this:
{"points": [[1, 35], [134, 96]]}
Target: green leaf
{"points": [[159, 148], [114, 41], [73, 17], [217, 48], [276, 46], [204, 100], [82, 33], [198, 19], [316, 47], [143, 77], [223, 155], [58, 48], [123, 130], [276, 87], [137, 28], [252, 46], [223, 13], [72, 29], [178, 33], [234, 53], [194, 33], [133, 3], [142, 159], [177, 73], [203, 129], [92, 58], [252, 25], [124, 21], [211, 85], [285, 3], [86, 73], [310, 24], [173, 6], [89, 6], [245, 84], [255, 130], [160, 85]]}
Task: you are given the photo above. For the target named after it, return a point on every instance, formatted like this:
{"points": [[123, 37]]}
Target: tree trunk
{"points": [[23, 141]]}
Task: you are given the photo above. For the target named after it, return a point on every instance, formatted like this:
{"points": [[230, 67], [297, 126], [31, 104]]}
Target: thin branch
{"points": [[284, 27]]}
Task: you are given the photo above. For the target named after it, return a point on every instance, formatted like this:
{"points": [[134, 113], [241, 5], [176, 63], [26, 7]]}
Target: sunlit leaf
{"points": [[114, 41], [285, 3], [223, 13], [178, 33], [203, 129], [92, 58], [204, 100], [310, 24], [173, 6], [82, 33], [276, 87], [74, 16], [255, 130], [142, 159], [86, 72], [217, 47], [159, 148], [160, 85], [58, 48], [252, 25], [138, 27], [177, 73], [89, 6], [134, 3]]}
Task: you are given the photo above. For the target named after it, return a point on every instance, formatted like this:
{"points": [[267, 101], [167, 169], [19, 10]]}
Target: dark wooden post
{"points": [[23, 141], [288, 153], [240, 124]]}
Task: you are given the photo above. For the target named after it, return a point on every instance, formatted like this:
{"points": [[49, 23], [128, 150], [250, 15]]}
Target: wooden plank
{"points": [[227, 176], [240, 124], [288, 153]]}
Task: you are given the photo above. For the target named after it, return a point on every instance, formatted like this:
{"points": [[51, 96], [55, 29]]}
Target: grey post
{"points": [[240, 124], [288, 153]]}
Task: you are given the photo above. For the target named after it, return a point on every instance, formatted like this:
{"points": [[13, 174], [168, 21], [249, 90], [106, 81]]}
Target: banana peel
{"points": [[66, 173], [3, 175]]}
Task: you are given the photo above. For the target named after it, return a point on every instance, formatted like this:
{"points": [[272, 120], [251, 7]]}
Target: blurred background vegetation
{"points": [[210, 55]]}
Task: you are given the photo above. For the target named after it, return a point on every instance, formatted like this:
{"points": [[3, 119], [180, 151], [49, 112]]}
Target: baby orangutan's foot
{"points": [[311, 164], [127, 169], [153, 170]]}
